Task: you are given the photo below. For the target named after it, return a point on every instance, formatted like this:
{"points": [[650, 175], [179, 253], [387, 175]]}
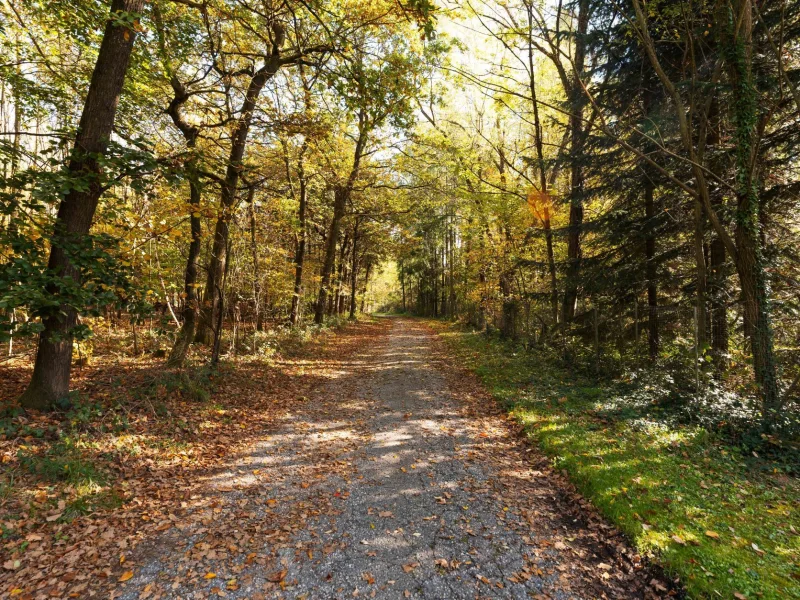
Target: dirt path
{"points": [[394, 480]]}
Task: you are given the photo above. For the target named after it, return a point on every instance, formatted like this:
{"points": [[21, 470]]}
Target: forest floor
{"points": [[370, 465]]}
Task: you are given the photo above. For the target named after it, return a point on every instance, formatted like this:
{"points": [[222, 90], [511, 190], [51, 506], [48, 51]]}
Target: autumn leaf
{"points": [[712, 534], [678, 540], [277, 576], [126, 576], [209, 575], [410, 567]]}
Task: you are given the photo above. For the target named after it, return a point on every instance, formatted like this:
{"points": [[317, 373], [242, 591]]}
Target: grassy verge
{"points": [[727, 527]]}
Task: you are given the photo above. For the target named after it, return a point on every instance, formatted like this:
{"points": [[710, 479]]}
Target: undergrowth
{"points": [[715, 514]]}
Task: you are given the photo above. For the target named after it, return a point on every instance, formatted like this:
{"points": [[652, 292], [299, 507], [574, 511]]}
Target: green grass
{"points": [[62, 462], [665, 486]]}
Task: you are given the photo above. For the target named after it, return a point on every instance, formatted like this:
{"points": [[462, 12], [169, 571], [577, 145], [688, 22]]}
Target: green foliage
{"points": [[63, 462]]}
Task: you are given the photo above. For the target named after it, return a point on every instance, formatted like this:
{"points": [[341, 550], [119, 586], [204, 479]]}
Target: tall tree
{"points": [[51, 375]]}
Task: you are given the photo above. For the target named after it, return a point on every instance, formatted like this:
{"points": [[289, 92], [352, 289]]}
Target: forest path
{"points": [[398, 478]]}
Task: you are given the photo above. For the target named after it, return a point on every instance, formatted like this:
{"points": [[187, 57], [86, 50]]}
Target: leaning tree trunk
{"points": [[218, 258], [50, 380]]}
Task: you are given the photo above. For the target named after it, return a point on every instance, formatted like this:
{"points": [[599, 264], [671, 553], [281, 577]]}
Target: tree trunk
{"points": [[229, 185], [191, 305], [50, 380], [367, 273], [254, 254], [354, 272], [338, 300], [749, 252], [719, 311], [700, 274], [339, 205], [300, 254], [651, 274], [577, 134], [177, 356]]}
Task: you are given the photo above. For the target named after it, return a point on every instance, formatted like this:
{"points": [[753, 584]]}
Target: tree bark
{"points": [[300, 252], [749, 258], [354, 272], [341, 198], [218, 257], [191, 306], [254, 256], [51, 373], [577, 134], [339, 205]]}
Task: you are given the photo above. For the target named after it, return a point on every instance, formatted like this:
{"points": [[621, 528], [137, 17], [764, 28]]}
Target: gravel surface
{"points": [[398, 478]]}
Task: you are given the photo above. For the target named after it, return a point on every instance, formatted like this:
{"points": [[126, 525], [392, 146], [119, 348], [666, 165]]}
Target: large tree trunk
{"points": [[749, 252], [50, 380], [339, 205]]}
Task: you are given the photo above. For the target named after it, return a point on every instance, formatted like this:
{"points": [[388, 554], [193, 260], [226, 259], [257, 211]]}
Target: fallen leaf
{"points": [[410, 567], [278, 576], [712, 534], [209, 575], [126, 576]]}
